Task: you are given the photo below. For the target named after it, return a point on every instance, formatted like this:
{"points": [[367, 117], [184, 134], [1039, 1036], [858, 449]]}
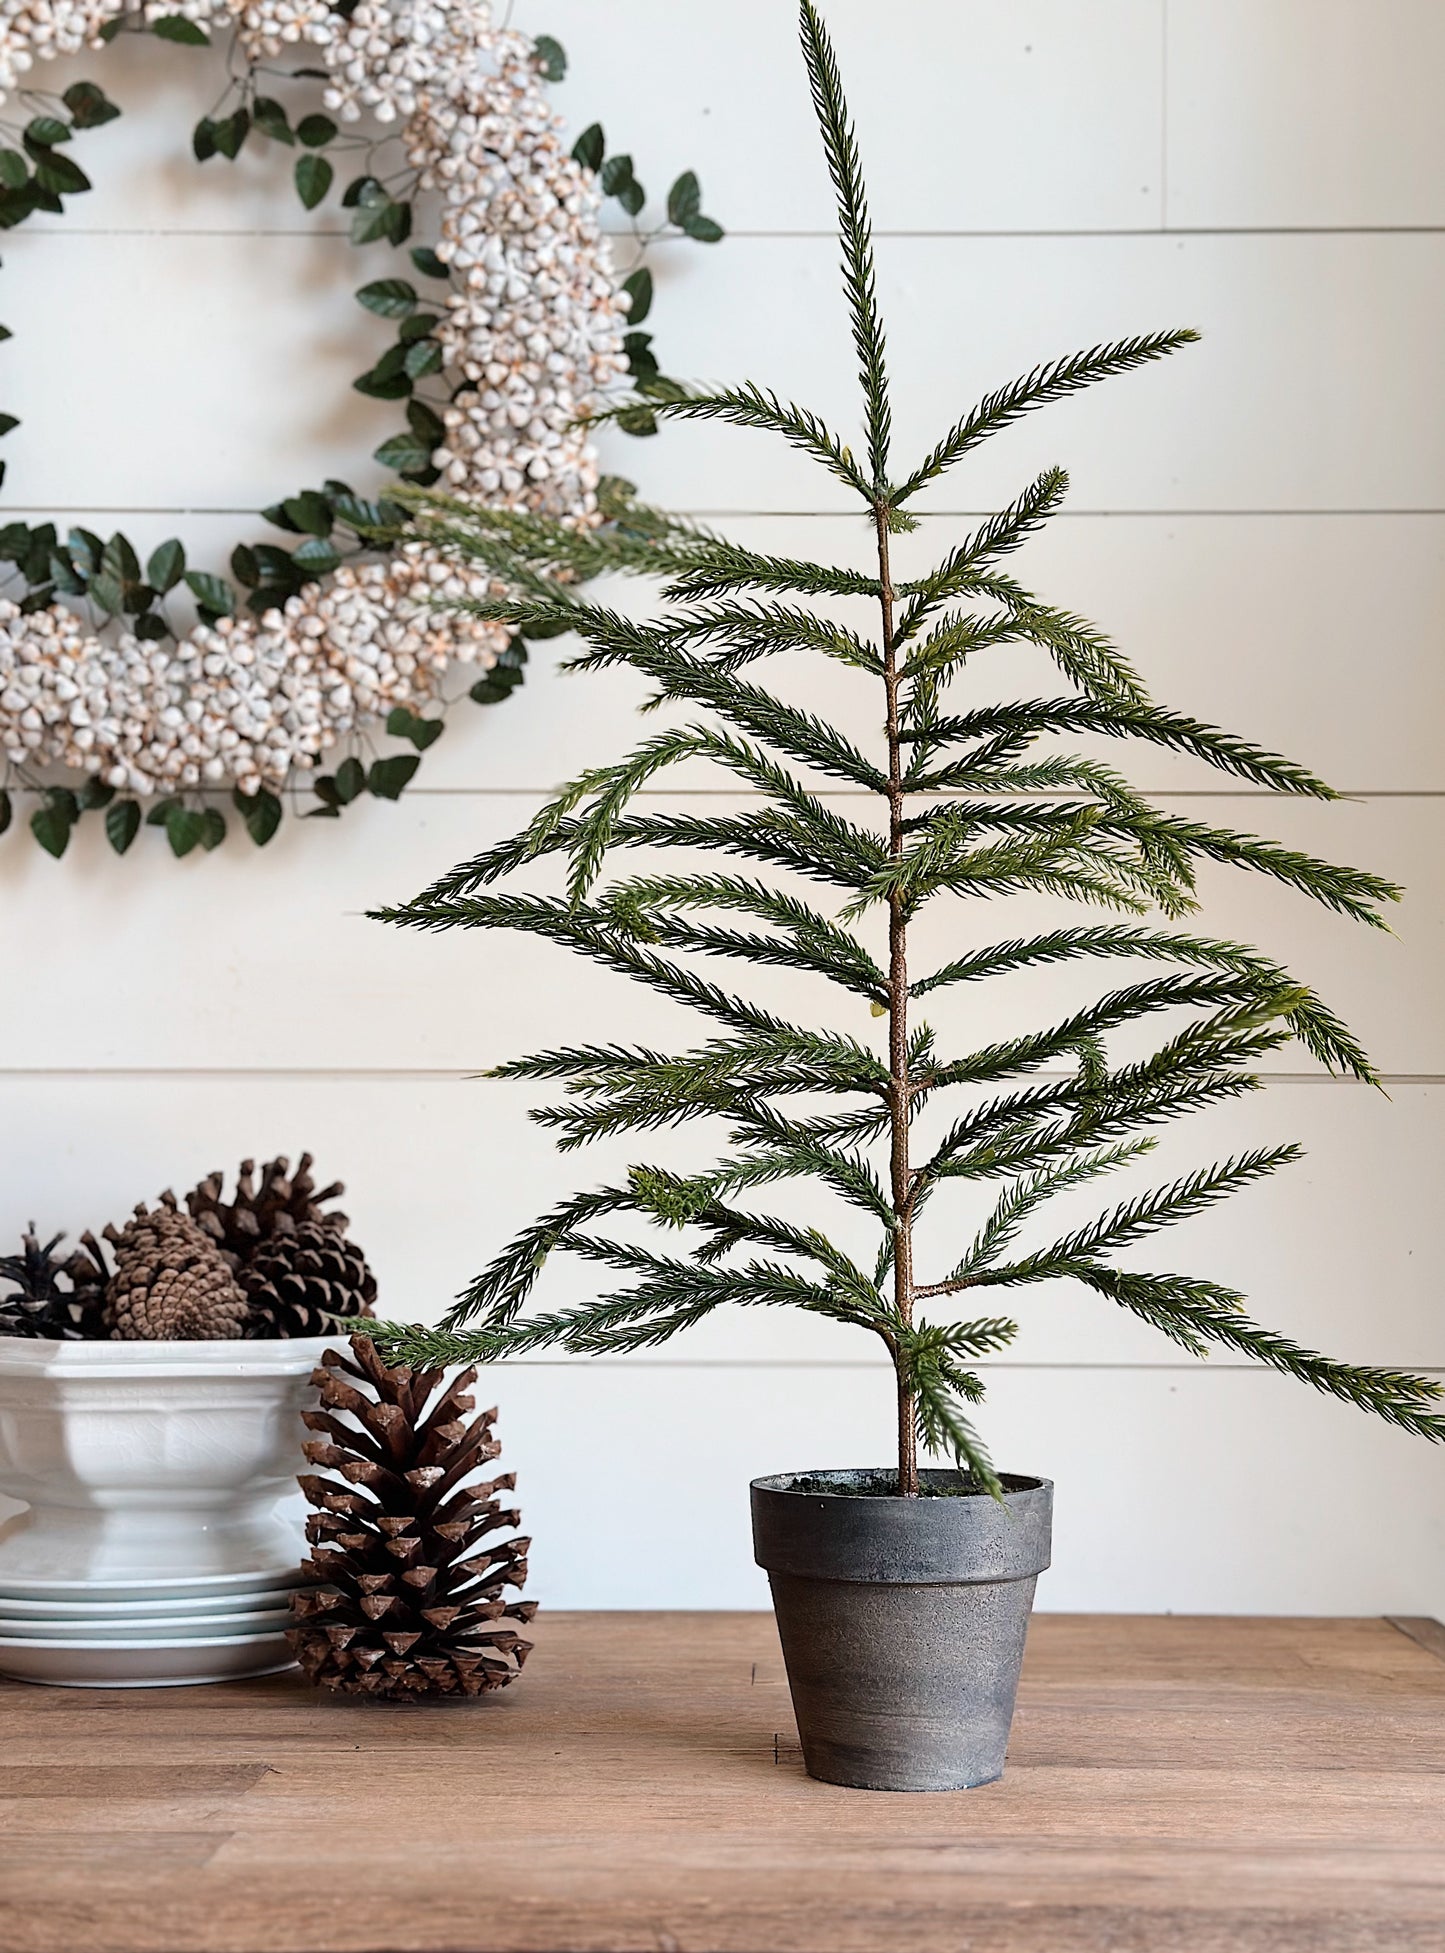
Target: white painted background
{"points": [[1259, 521]]}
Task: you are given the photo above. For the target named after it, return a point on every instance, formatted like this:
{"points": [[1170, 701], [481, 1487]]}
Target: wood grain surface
{"points": [[1174, 1786]]}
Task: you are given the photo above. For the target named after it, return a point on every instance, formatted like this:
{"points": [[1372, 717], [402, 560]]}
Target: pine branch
{"points": [[1052, 382], [753, 407], [756, 630], [855, 234], [1312, 1022], [1000, 535], [1035, 717], [724, 568], [1213, 1313], [1163, 1206], [1251, 1007], [1348, 891], [1024, 1197], [815, 934]]}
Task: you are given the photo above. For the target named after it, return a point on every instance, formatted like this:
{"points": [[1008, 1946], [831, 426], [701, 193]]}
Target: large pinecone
{"points": [[307, 1283], [60, 1300], [301, 1274], [282, 1202], [411, 1601], [171, 1284]]}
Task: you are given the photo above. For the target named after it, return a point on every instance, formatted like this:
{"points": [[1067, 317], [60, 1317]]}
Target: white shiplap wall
{"points": [[1260, 522]]}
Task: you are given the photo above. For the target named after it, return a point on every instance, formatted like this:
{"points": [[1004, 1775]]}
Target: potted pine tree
{"points": [[902, 1594]]}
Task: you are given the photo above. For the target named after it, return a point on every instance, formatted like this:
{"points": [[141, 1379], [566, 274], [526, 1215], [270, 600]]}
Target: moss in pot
{"points": [[902, 1612]]}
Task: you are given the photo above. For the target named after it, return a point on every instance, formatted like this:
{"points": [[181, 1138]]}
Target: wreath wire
{"points": [[313, 643]]}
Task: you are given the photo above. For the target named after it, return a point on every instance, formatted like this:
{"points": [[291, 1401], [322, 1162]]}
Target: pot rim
{"points": [[23, 1356], [786, 1484]]}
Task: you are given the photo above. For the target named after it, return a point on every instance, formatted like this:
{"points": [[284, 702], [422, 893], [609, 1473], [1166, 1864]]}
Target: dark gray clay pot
{"points": [[902, 1621]]}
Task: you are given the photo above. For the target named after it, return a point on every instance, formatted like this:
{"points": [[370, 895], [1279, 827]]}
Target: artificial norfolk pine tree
{"points": [[972, 803]]}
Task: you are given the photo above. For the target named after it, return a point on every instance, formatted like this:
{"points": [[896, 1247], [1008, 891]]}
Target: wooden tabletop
{"points": [[1173, 1786]]}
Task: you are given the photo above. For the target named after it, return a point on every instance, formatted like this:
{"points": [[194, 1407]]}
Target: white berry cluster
{"points": [[534, 325], [242, 701]]}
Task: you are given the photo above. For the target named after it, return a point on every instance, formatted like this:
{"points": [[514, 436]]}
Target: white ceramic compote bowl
{"points": [[152, 1465]]}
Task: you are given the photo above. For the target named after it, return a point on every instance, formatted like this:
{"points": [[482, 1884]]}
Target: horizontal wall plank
{"points": [[1289, 324], [950, 98], [1341, 1251], [252, 327], [194, 371], [1243, 621], [1191, 1493], [1185, 1492], [235, 938], [725, 94], [1285, 112]]}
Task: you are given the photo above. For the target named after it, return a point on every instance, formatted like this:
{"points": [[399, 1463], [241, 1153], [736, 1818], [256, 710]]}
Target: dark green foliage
{"points": [[970, 803]]}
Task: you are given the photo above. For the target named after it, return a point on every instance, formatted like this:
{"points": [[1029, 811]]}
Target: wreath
{"points": [[509, 326]]}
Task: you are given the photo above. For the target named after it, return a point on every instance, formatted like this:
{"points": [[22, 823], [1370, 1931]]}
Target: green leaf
{"points": [[8, 422], [428, 263], [684, 200], [314, 177], [389, 298], [231, 133], [89, 105], [704, 230], [118, 559], [403, 723], [43, 131], [151, 628], [426, 423], [638, 288], [590, 147], [63, 574], [213, 828], [7, 811], [244, 566], [271, 120], [58, 173], [499, 683], [174, 27], [420, 325], [276, 515], [14, 170], [310, 513], [363, 190], [350, 780], [203, 139], [316, 556], [211, 592], [551, 57], [315, 131], [167, 565], [261, 813], [404, 454], [185, 829], [385, 382], [616, 173], [423, 356], [388, 778], [53, 820], [122, 824], [112, 27], [108, 593], [94, 795]]}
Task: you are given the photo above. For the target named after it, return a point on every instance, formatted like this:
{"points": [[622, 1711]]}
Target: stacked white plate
{"points": [[145, 1633]]}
